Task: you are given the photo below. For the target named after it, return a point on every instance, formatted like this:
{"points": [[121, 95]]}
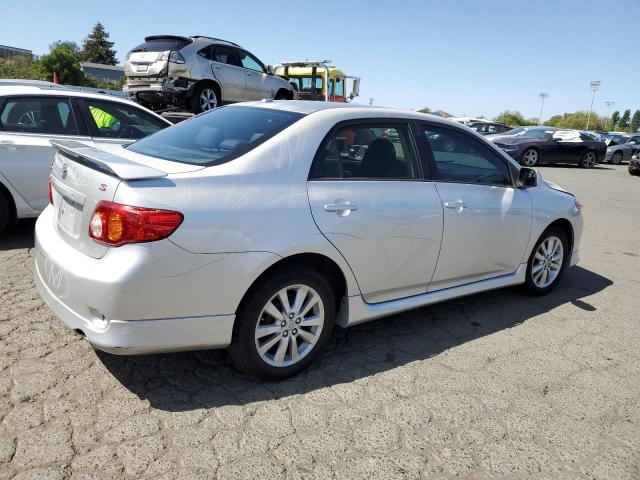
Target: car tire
{"points": [[547, 262], [204, 98], [5, 213], [269, 355], [588, 160], [616, 158], [530, 157], [633, 171], [283, 95]]}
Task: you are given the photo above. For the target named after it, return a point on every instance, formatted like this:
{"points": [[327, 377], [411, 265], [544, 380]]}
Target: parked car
{"points": [[200, 73], [634, 165], [539, 145], [508, 133], [489, 128], [33, 115], [621, 147], [259, 226]]}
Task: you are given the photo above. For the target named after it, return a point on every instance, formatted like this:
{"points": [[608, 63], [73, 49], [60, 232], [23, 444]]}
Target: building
{"points": [[107, 73], [8, 52]]}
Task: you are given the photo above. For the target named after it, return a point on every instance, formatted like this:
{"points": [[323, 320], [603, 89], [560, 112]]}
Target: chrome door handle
{"points": [[455, 204], [342, 209], [248, 74], [217, 67]]}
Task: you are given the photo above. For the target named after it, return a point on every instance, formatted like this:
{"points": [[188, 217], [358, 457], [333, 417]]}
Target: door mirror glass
{"points": [[528, 177], [269, 69], [355, 88]]}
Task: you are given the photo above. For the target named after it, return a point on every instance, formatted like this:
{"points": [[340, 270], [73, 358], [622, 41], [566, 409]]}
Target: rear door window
{"points": [[225, 55], [119, 120], [43, 115], [383, 151]]}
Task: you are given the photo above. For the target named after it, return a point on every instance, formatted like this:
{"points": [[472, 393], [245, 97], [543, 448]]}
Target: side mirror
{"points": [[269, 70], [528, 177]]}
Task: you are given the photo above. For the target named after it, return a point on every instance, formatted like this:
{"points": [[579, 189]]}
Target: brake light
{"points": [[50, 191], [115, 224]]}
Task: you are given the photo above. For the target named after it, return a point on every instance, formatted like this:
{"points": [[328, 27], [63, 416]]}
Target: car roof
{"points": [[62, 91], [307, 107]]}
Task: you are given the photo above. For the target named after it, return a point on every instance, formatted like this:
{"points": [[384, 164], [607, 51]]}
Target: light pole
{"points": [[371, 99], [542, 95], [593, 86], [609, 104]]}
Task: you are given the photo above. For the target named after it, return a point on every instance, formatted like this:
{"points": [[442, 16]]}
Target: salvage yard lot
{"points": [[494, 385]]}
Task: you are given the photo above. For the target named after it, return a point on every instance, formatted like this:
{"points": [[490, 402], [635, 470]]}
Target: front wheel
{"points": [[616, 158], [588, 160], [633, 170], [5, 213], [283, 324], [547, 262], [530, 157]]}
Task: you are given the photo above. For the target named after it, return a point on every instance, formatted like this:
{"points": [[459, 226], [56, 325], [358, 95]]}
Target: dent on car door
{"points": [[27, 126], [487, 222], [368, 200]]}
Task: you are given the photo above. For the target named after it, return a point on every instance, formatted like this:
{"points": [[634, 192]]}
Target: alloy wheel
{"points": [[616, 159], [208, 100], [589, 160], [530, 158], [289, 325], [547, 262]]}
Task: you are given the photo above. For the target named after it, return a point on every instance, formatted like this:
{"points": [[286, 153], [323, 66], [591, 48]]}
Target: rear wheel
{"points": [[5, 213], [283, 324], [588, 160], [283, 95], [616, 158], [530, 157], [633, 170], [547, 262], [204, 98]]}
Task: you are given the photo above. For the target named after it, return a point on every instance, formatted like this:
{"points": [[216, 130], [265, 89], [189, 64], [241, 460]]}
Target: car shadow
{"points": [[188, 381], [18, 236]]}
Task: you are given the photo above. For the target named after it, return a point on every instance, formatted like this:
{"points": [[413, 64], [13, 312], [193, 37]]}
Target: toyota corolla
{"points": [[258, 227]]}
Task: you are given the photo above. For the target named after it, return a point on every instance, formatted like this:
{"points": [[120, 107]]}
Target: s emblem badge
{"points": [[103, 187], [65, 171]]}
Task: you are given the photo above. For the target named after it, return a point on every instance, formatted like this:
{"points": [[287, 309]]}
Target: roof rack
{"points": [[216, 39]]}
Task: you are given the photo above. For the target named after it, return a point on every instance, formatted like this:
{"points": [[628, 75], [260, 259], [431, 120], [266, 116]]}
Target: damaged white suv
{"points": [[199, 73]]}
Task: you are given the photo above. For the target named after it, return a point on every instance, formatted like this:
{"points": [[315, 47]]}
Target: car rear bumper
{"points": [[150, 297]]}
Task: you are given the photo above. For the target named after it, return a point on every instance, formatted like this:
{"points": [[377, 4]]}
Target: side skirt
{"points": [[355, 310]]}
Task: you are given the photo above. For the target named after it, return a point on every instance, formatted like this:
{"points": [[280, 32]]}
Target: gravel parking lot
{"points": [[494, 385]]}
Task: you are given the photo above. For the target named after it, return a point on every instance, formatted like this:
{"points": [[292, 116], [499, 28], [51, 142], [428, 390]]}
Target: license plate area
{"points": [[68, 215], [142, 68]]}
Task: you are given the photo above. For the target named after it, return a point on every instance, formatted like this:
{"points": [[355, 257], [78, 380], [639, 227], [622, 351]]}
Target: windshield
{"points": [[535, 133], [617, 139], [217, 136], [513, 131], [303, 84]]}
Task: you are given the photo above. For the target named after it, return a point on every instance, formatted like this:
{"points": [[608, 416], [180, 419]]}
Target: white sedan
{"points": [[34, 113], [259, 226]]}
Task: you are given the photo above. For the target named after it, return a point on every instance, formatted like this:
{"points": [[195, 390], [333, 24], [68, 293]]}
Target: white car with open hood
{"points": [[258, 227]]}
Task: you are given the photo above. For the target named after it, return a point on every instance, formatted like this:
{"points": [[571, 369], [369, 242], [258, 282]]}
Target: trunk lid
{"points": [[82, 176], [145, 64]]}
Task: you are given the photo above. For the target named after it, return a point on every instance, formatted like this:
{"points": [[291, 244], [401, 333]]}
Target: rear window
{"points": [[217, 136], [161, 45]]}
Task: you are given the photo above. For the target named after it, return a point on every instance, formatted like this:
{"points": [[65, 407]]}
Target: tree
{"points": [[635, 121], [624, 121], [21, 66], [425, 110], [97, 48], [577, 121], [615, 118], [515, 118], [64, 61]]}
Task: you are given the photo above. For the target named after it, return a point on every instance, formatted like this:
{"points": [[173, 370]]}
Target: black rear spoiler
{"points": [[168, 37]]}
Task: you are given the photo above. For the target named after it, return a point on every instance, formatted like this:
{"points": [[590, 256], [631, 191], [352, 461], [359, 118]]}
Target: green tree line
{"points": [[64, 58], [578, 120]]}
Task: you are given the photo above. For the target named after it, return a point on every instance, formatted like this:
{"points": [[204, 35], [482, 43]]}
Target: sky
{"points": [[463, 56]]}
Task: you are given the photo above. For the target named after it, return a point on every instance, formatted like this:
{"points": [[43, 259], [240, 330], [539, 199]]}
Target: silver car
{"points": [[621, 147], [198, 72], [260, 226], [31, 115]]}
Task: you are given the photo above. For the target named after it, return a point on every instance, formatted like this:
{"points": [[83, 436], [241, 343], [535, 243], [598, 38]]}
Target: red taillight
{"points": [[50, 192], [116, 224]]}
